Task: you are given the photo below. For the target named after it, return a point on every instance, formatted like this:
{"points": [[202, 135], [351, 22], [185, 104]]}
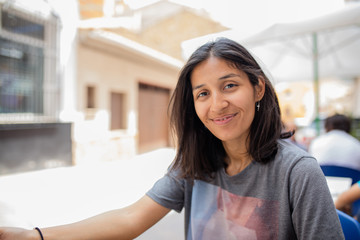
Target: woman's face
{"points": [[224, 99]]}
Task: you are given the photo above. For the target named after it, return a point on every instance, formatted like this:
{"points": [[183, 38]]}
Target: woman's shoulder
{"points": [[292, 162], [290, 155], [288, 148]]}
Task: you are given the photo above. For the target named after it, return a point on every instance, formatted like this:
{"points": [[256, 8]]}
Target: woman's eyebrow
{"points": [[229, 76], [197, 87]]}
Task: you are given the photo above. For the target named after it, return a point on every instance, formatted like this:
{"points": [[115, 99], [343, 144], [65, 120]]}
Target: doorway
{"points": [[153, 119]]}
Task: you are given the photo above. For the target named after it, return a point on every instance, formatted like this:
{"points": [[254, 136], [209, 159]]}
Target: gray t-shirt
{"points": [[287, 198]]}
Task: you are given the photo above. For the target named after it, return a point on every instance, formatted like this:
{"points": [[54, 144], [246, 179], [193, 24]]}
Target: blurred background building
{"points": [[31, 134], [90, 80]]}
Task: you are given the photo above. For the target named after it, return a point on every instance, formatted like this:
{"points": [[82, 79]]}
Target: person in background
{"points": [[233, 174], [337, 146], [345, 199]]}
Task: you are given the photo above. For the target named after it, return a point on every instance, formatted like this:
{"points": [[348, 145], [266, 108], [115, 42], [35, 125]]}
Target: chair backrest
{"points": [[350, 226], [337, 171]]}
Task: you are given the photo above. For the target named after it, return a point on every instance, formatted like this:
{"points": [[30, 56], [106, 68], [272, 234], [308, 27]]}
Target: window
{"points": [[118, 120], [29, 77], [21, 77], [90, 97]]}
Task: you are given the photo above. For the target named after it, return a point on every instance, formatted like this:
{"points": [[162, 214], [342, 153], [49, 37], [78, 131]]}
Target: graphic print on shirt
{"points": [[218, 214]]}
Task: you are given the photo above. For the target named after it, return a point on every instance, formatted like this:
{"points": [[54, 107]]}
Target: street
{"points": [[64, 195]]}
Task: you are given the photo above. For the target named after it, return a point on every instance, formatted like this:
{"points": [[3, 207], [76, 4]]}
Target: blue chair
{"points": [[338, 171], [350, 226]]}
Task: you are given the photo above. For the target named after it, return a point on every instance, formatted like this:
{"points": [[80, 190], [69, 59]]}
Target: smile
{"points": [[224, 120]]}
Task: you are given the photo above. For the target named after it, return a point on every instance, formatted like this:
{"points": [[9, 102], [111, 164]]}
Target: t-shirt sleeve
{"points": [[314, 215], [168, 191]]}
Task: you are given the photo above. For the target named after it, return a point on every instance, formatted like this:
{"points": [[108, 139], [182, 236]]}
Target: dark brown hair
{"points": [[199, 152], [338, 122]]}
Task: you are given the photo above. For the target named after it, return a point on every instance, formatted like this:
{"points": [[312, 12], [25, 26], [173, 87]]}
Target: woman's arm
{"points": [[125, 223], [348, 197]]}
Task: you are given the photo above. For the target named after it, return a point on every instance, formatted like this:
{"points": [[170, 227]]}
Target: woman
{"points": [[233, 174]]}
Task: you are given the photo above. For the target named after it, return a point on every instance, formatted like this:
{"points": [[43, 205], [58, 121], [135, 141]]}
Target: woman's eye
{"points": [[202, 94], [231, 85]]}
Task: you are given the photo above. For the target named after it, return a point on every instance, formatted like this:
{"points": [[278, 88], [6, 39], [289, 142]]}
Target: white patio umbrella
{"points": [[327, 46], [332, 40]]}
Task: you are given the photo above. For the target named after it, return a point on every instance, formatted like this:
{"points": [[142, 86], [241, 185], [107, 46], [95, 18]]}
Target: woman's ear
{"points": [[260, 89]]}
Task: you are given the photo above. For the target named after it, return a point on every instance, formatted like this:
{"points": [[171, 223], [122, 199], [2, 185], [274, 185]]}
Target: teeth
{"points": [[223, 119]]}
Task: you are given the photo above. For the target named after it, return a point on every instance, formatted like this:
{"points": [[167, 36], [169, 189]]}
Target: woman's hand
{"points": [[345, 199], [12, 233]]}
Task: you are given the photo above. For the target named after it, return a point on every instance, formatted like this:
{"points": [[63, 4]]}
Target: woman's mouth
{"points": [[224, 119]]}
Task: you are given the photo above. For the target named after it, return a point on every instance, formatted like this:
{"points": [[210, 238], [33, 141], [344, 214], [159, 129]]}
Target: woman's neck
{"points": [[237, 158]]}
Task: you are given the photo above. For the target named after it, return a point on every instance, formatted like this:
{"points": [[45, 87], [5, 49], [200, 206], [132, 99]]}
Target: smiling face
{"points": [[224, 99]]}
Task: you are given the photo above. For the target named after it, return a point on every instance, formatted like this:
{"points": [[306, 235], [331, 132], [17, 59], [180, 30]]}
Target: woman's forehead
{"points": [[216, 67]]}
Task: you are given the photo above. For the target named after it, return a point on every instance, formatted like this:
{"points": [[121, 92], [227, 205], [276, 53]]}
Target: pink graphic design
{"points": [[227, 216]]}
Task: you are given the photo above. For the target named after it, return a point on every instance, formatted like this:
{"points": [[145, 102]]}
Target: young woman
{"points": [[233, 175]]}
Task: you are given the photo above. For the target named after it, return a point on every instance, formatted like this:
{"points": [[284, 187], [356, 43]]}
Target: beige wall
{"points": [[109, 69], [167, 35]]}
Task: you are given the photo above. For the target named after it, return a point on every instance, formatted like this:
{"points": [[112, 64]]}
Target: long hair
{"points": [[199, 152]]}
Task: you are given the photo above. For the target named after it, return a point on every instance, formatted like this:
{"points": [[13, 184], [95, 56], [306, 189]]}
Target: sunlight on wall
{"points": [[68, 13], [132, 123]]}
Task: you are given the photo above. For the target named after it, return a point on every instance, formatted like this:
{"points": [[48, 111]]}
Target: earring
{"points": [[258, 106]]}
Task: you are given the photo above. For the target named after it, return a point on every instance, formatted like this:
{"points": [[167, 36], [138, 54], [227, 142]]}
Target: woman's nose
{"points": [[219, 102]]}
